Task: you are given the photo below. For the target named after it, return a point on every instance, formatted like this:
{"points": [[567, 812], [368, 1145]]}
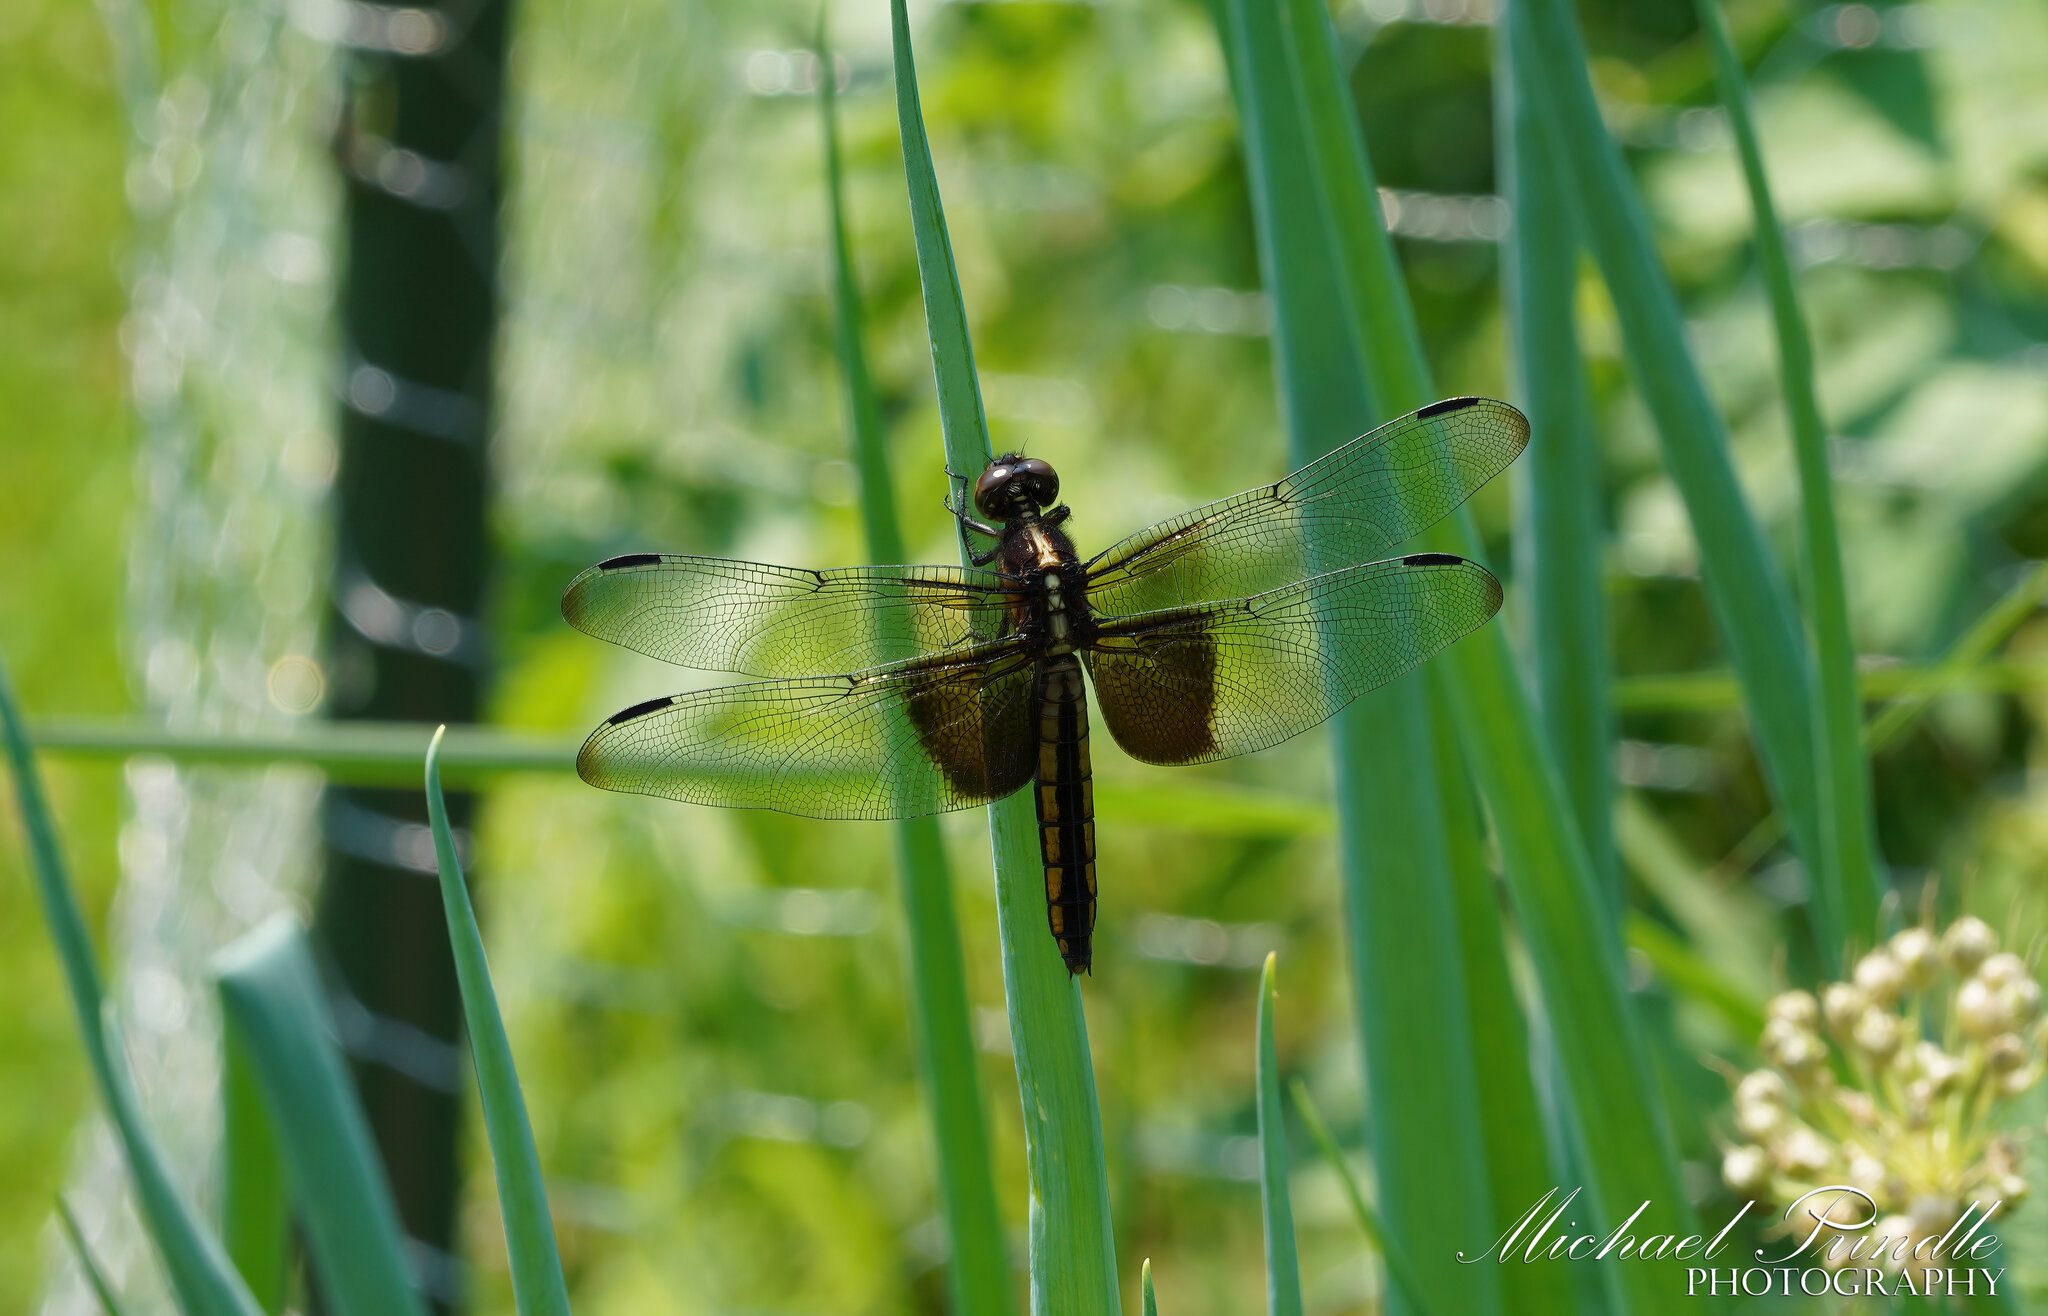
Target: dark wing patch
{"points": [[1191, 684], [721, 615], [1342, 510], [920, 737], [628, 714]]}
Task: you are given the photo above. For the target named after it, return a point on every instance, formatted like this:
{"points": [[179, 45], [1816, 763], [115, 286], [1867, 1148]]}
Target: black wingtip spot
{"points": [[1432, 560], [639, 710], [1448, 404], [625, 560]]}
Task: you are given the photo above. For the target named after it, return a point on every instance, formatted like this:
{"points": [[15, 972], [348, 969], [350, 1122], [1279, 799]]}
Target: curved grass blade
{"points": [[1849, 841], [1610, 1096], [1369, 1223], [202, 1279], [271, 996], [1557, 481], [1400, 918], [94, 1275], [255, 1215], [537, 1285], [978, 1265], [1751, 602], [1145, 1283], [1072, 1248], [1283, 1267]]}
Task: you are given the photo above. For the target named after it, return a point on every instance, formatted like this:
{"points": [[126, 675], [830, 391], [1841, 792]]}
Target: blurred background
{"points": [[223, 508]]}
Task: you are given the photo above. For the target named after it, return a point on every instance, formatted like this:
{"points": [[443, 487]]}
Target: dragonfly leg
{"points": [[968, 523]]}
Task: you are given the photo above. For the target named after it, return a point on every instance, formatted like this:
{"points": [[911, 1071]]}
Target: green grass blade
{"points": [[1610, 1093], [1400, 921], [271, 997], [537, 1286], [1073, 1251], [1557, 481], [202, 1279], [978, 1265], [1399, 1272], [1283, 1267], [1849, 841], [255, 1216], [1747, 591], [94, 1274], [1145, 1283]]}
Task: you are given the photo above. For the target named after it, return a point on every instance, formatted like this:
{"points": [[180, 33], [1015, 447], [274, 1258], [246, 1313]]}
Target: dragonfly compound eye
{"points": [[991, 491], [1041, 483]]}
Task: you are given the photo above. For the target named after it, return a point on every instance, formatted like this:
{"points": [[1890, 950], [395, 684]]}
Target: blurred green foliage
{"points": [[708, 1008]]}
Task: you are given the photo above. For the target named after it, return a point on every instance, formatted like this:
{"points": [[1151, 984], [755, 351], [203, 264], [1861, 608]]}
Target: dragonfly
{"points": [[897, 691]]}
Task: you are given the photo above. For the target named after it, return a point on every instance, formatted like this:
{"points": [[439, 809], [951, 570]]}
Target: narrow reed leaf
{"points": [[1558, 536], [978, 1265], [1072, 1249], [1610, 1096], [537, 1286], [1748, 594], [1283, 1267], [1400, 921], [1515, 1129], [272, 999], [202, 1279], [1145, 1283], [255, 1214], [1848, 839], [1399, 1272], [95, 1275]]}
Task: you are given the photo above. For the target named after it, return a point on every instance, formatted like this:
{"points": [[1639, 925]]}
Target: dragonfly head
{"points": [[1014, 484]]}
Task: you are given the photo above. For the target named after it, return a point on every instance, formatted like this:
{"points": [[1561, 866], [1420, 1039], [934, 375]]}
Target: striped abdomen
{"points": [[1066, 809]]}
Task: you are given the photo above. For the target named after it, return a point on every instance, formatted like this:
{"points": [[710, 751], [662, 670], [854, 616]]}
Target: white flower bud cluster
{"points": [[1894, 1082]]}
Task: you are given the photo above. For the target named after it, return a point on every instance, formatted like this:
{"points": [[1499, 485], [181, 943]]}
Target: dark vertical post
{"points": [[419, 145]]}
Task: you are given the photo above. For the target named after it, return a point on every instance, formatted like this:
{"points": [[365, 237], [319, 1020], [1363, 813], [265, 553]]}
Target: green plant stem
{"points": [[1151, 1301], [978, 1268], [1558, 537], [255, 1216], [201, 1277], [1849, 842], [1283, 1267], [95, 1276], [1747, 591], [1399, 1272], [537, 1285], [1072, 1247]]}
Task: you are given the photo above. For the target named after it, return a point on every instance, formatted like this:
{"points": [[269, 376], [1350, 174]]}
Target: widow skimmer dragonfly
{"points": [[1221, 631]]}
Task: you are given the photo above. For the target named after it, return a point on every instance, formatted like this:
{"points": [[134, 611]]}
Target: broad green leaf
{"points": [[1558, 535], [1400, 917], [1072, 1249], [1283, 1268], [1751, 602], [1849, 843], [1610, 1096], [537, 1286], [202, 1279], [273, 1000], [978, 1264]]}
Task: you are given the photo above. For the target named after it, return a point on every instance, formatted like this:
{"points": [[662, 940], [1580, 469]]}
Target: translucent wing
{"points": [[919, 737], [1346, 508], [1207, 681], [721, 615]]}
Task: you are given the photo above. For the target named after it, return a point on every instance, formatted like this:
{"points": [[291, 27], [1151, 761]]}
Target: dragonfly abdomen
{"points": [[1066, 809]]}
